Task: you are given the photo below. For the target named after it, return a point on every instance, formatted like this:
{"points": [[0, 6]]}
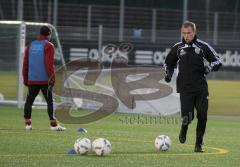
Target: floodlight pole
{"points": [[100, 32], [185, 13], [154, 22], [215, 29], [55, 13], [89, 22], [20, 10], [121, 21], [185, 10]]}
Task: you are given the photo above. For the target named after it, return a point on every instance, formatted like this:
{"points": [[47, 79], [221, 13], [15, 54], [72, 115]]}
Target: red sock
{"points": [[28, 121], [53, 123]]}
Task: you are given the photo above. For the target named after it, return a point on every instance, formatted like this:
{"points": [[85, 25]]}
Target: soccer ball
{"points": [[82, 146], [163, 142], [102, 146]]}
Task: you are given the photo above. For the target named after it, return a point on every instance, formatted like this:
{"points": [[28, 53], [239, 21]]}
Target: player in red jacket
{"points": [[38, 73]]}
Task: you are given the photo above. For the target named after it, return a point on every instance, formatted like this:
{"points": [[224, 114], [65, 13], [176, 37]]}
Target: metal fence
{"points": [[159, 26]]}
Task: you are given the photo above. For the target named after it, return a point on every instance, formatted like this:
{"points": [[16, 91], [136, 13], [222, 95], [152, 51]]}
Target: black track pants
{"points": [[33, 91], [199, 101]]}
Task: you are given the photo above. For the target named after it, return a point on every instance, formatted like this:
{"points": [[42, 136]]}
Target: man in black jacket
{"points": [[191, 55]]}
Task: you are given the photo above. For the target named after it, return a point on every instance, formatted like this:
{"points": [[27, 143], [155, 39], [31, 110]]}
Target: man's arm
{"points": [[170, 63], [25, 66], [213, 58], [49, 62]]}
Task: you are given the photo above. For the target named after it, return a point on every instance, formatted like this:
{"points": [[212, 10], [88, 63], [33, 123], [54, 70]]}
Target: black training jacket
{"points": [[191, 61]]}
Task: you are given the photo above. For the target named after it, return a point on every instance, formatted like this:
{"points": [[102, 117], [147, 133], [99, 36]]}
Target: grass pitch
{"points": [[132, 142], [132, 136], [224, 95]]}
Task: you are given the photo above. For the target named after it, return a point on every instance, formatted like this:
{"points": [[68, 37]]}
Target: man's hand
{"points": [[50, 87], [168, 77], [25, 83], [51, 84], [207, 69]]}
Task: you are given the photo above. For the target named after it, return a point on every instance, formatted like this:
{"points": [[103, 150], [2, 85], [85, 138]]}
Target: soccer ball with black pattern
{"points": [[82, 146], [163, 142], [101, 146]]}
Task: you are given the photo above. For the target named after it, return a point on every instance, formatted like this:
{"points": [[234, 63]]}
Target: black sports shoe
{"points": [[198, 148], [183, 133]]}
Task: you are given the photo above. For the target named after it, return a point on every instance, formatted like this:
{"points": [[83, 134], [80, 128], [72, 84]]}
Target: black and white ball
{"points": [[163, 143], [82, 146], [101, 146]]}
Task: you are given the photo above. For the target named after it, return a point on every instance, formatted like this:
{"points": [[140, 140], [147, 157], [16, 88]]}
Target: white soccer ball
{"points": [[101, 146], [82, 146], [163, 142]]}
